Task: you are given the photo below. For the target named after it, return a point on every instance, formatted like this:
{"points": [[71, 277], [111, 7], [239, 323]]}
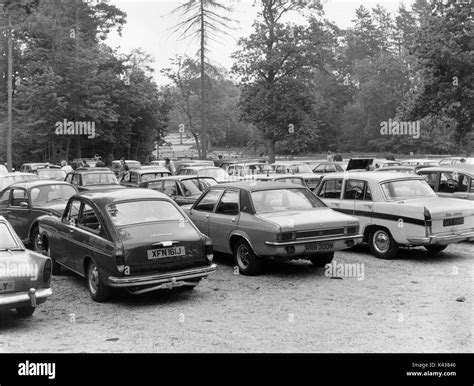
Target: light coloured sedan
{"points": [[254, 220]]}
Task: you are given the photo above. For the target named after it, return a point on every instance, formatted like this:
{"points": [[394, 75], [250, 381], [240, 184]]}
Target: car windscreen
{"points": [[293, 180], [404, 189], [48, 193], [51, 174], [99, 179], [7, 241], [154, 175], [279, 200], [299, 168], [136, 212]]}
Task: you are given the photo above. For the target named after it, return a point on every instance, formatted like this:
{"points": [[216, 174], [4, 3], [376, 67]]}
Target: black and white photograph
{"points": [[237, 177]]}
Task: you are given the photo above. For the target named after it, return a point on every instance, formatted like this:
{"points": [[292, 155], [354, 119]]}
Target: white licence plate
{"points": [[6, 286], [165, 252], [319, 247]]}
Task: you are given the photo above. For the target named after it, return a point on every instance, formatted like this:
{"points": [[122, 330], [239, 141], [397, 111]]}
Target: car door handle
{"points": [[337, 204], [71, 230], [232, 219], [207, 215]]}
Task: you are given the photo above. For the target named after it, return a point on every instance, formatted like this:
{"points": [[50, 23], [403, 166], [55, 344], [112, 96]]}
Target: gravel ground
{"points": [[416, 303]]}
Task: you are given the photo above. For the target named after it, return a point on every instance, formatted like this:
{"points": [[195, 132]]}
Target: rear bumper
{"points": [[280, 249], [442, 239], [162, 278], [32, 297]]}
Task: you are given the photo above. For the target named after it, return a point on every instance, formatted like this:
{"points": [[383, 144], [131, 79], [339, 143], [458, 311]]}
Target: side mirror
{"points": [[23, 205]]}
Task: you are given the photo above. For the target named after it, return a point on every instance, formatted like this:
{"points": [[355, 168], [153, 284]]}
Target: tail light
{"points": [[47, 270], [209, 250], [119, 259], [428, 222]]}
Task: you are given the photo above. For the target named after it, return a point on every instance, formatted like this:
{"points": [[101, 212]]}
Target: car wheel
{"points": [[433, 249], [34, 240], [25, 311], [321, 259], [382, 244], [97, 289], [246, 259]]}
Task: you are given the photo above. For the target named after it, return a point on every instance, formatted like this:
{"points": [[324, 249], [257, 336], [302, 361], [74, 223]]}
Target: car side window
{"points": [[229, 203], [330, 169], [18, 196], [76, 179], [5, 197], [169, 188], [89, 219], [73, 212], [68, 178], [431, 178], [208, 202], [331, 189], [357, 190], [319, 169]]}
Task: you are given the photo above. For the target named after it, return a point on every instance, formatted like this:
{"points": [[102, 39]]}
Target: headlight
{"points": [[285, 236]]}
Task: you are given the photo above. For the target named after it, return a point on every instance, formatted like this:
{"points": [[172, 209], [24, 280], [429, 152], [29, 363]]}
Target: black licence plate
{"points": [[453, 221]]}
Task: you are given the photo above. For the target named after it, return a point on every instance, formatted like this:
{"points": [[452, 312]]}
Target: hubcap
{"points": [[243, 255], [93, 278], [381, 241]]}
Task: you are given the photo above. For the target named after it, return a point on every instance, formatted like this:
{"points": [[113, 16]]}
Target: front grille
{"points": [[319, 233]]}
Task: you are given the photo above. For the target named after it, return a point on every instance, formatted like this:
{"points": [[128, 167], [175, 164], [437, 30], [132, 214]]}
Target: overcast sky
{"points": [[150, 24]]}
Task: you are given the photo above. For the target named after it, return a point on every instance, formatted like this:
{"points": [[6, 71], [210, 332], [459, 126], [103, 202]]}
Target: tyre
{"points": [[34, 240], [98, 291], [246, 259], [382, 244], [56, 268], [434, 249], [321, 259], [25, 311]]}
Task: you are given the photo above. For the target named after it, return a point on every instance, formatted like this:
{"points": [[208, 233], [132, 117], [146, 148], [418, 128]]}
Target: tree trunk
{"points": [[203, 86], [271, 150], [10, 96], [198, 145]]}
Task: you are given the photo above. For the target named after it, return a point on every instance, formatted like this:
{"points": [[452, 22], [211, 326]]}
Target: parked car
{"points": [[50, 173], [249, 170], [137, 239], [191, 163], [85, 179], [369, 163], [30, 167], [135, 177], [286, 178], [297, 168], [398, 169], [183, 190], [118, 169], [254, 220], [426, 162], [10, 178], [214, 172], [226, 164], [397, 209], [23, 203], [25, 275], [456, 181], [82, 162], [457, 161]]}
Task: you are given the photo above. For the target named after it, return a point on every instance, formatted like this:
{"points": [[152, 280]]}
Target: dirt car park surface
{"points": [[416, 303]]}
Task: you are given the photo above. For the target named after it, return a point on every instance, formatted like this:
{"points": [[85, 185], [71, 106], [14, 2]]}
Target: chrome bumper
{"points": [[356, 238], [442, 239], [162, 278], [32, 296]]}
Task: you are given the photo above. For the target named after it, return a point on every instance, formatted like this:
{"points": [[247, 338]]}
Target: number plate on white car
{"points": [[165, 252], [318, 247], [453, 221], [6, 286]]}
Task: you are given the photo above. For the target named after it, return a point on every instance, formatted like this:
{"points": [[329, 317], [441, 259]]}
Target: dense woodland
{"points": [[300, 88]]}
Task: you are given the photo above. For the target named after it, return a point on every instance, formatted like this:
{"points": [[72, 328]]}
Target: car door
{"points": [[224, 220], [18, 212], [202, 209], [64, 246], [330, 192], [357, 201]]}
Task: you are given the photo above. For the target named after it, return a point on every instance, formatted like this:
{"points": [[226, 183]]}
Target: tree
{"points": [[203, 20], [276, 65]]}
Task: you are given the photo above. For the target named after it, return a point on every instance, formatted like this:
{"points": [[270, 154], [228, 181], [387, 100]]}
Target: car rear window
{"points": [[279, 200], [7, 241], [135, 212], [99, 179]]}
